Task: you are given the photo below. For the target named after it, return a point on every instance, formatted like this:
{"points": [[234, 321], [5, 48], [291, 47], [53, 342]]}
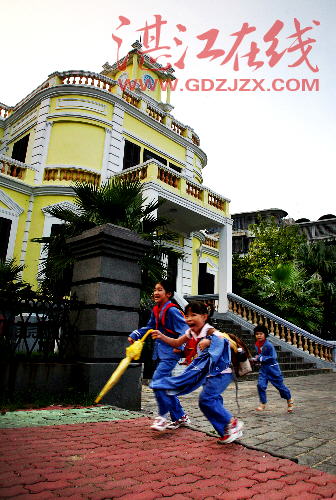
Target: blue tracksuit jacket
{"points": [[270, 372]]}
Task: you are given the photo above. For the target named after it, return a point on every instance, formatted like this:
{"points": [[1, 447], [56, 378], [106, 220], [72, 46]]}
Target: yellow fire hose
{"points": [[133, 352]]}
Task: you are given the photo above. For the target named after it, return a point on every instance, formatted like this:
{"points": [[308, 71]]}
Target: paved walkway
{"points": [[106, 453], [308, 435]]}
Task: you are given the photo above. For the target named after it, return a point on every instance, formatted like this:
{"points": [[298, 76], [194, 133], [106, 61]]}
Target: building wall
{"points": [[78, 131], [76, 143]]}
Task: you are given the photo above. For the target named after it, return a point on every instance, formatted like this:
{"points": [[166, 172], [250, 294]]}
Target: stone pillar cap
{"points": [[109, 240]]}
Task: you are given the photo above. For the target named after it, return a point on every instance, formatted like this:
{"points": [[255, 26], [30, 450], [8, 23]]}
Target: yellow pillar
{"points": [[168, 95], [135, 67]]}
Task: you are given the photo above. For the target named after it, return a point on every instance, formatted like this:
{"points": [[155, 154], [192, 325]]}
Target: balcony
{"points": [[4, 110], [136, 99], [14, 168], [191, 205], [70, 174]]}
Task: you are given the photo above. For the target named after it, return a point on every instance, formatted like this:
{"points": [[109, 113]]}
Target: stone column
{"points": [[225, 266], [107, 279]]}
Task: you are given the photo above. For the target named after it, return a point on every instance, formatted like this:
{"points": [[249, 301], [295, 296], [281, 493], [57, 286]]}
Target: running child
{"points": [[211, 367], [167, 319], [269, 369]]}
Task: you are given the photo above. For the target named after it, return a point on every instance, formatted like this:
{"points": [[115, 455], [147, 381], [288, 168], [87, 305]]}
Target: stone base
{"points": [[125, 394], [52, 378]]}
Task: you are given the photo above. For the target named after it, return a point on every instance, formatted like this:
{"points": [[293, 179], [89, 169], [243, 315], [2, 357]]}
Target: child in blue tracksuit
{"points": [[269, 369], [168, 319], [211, 367]]}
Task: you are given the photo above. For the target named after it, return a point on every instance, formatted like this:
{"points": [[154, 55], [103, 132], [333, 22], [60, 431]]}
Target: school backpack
{"points": [[240, 354], [160, 317]]}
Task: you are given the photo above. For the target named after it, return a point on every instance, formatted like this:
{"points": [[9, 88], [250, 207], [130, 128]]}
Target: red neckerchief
{"points": [[259, 344]]}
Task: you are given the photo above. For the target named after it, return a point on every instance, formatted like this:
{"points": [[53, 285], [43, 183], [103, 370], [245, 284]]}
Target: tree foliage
{"points": [[290, 277], [118, 202], [12, 287]]}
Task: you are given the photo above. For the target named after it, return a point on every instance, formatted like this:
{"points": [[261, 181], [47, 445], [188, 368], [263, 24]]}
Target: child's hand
{"points": [[130, 340], [156, 334], [204, 344]]}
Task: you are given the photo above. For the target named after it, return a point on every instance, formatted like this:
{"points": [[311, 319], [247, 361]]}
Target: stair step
{"points": [[289, 373], [291, 365]]}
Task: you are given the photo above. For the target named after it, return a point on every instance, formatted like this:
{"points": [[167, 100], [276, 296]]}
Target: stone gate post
{"points": [[106, 277]]}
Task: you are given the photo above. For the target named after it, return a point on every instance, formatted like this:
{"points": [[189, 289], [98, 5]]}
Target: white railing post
{"points": [[225, 266]]}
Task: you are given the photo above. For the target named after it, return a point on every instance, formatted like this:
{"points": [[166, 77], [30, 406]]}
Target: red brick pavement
{"points": [[125, 459]]}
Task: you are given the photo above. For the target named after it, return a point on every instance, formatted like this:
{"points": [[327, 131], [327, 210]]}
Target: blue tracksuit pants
{"points": [[211, 402], [271, 374], [165, 402]]}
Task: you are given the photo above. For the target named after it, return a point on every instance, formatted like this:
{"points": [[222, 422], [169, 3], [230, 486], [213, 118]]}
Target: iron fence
{"points": [[38, 328]]}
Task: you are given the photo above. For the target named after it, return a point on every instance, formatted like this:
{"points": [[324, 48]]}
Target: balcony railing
{"points": [[102, 82], [153, 113], [178, 128], [251, 314], [13, 168], [131, 99], [70, 174], [87, 78], [152, 170], [4, 110], [209, 242]]}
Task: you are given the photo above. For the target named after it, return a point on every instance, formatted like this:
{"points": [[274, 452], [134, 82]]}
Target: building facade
{"points": [[84, 126]]}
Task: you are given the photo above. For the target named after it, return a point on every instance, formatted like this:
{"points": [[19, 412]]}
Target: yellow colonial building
{"points": [[84, 126]]}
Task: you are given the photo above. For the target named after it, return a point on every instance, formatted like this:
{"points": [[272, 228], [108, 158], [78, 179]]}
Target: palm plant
{"points": [[11, 284], [118, 202], [288, 293], [319, 260]]}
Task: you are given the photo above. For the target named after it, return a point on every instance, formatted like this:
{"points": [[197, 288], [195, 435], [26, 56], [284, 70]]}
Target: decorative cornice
{"points": [[210, 251], [145, 60], [62, 204], [21, 187], [76, 103], [198, 235], [209, 260], [14, 208], [183, 202], [53, 190], [16, 185], [81, 116], [68, 89]]}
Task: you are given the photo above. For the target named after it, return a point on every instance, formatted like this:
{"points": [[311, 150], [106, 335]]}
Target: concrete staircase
{"points": [[291, 365]]}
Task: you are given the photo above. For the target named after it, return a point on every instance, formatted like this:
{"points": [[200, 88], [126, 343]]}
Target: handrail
{"points": [[178, 175], [279, 328], [282, 321], [18, 163]]}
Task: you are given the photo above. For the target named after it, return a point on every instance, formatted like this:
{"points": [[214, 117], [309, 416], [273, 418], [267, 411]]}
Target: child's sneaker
{"points": [[181, 422], [290, 406], [160, 424], [233, 431]]}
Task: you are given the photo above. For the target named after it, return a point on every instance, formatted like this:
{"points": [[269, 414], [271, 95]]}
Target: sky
{"points": [[265, 149]]}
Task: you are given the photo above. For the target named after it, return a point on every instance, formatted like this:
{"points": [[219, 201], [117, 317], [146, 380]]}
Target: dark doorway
{"points": [[206, 281], [5, 227], [20, 149], [172, 269], [131, 155]]}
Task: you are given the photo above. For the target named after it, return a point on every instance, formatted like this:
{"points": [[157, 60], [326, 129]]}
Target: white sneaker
{"points": [[181, 422], [160, 424], [233, 431]]}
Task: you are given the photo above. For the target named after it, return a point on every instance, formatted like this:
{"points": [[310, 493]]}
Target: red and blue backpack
{"points": [[160, 317]]}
